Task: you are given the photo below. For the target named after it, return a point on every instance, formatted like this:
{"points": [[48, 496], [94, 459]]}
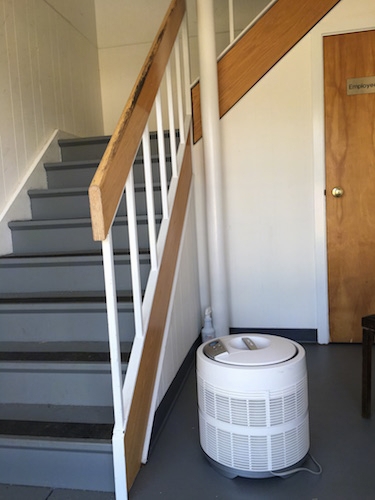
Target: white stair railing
{"points": [[176, 77]]}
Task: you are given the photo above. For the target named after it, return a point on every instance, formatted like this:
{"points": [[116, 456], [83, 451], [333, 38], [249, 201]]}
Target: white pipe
{"points": [[179, 91], [213, 166]]}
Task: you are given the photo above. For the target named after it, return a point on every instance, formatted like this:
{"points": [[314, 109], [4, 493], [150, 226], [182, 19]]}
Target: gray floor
{"points": [[341, 441]]}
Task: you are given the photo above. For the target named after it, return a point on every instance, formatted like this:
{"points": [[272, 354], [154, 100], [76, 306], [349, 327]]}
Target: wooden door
{"points": [[350, 165]]}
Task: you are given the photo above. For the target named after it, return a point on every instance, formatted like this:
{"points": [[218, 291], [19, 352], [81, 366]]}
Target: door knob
{"points": [[337, 192]]}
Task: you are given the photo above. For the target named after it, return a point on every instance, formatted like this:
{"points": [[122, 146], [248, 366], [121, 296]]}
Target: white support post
{"points": [[186, 64], [213, 166], [179, 91], [116, 369]]}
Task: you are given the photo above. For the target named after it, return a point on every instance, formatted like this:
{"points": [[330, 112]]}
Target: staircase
{"points": [[56, 414]]}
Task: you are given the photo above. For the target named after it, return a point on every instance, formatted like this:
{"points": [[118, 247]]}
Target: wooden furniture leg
{"points": [[368, 329]]}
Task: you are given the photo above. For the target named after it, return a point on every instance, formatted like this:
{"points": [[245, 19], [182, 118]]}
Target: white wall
{"points": [[123, 45], [49, 79], [273, 152], [125, 33]]}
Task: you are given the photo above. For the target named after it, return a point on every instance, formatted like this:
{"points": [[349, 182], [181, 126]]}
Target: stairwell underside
{"points": [[284, 25]]}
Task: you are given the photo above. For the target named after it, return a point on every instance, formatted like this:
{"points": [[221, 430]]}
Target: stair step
{"points": [[71, 235], [83, 148], [61, 373], [94, 147], [52, 421], [57, 373], [56, 413], [73, 174], [85, 464], [72, 352], [62, 317], [65, 273], [71, 203]]}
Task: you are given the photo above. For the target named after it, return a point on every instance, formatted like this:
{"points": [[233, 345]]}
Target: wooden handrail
{"points": [[259, 50], [108, 184]]}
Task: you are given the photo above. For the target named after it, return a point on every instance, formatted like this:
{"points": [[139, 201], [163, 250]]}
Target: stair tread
{"points": [[71, 164], [77, 351], [56, 413], [78, 141], [52, 255], [62, 430], [68, 259], [81, 222], [52, 297], [76, 191]]}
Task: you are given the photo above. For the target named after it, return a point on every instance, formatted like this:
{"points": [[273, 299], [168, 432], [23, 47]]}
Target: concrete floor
{"points": [[341, 441]]}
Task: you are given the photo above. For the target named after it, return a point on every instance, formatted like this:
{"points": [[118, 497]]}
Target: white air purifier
{"points": [[253, 404]]}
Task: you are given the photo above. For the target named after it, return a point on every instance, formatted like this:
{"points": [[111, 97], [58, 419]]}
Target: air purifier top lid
{"points": [[250, 349]]}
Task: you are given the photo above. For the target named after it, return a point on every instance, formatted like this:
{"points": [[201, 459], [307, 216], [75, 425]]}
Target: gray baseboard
{"points": [[172, 393]]}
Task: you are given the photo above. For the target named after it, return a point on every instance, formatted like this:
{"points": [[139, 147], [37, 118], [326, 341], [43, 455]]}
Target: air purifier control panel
{"points": [[214, 348]]}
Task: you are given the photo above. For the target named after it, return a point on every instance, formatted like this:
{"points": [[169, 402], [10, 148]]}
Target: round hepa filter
{"points": [[253, 404]]}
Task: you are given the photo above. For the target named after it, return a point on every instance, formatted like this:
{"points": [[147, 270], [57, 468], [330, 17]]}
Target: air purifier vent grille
{"points": [[255, 453], [254, 409]]}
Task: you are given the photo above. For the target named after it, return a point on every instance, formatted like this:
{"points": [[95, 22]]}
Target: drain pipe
{"points": [[213, 166]]}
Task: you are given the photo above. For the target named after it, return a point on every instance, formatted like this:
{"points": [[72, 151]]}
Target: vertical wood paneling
{"points": [[49, 78], [185, 322]]}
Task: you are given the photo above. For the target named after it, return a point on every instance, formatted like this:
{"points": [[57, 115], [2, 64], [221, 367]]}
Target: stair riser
{"points": [[61, 206], [65, 277], [51, 324], [54, 464], [65, 176], [88, 151], [70, 239], [56, 383], [73, 151]]}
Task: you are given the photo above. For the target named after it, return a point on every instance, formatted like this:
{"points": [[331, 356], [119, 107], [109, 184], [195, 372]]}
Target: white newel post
{"points": [[213, 166]]}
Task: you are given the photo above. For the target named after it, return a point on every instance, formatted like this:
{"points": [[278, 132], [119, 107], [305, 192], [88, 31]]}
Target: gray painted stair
{"points": [[71, 235], [64, 317], [65, 273], [52, 203], [56, 414]]}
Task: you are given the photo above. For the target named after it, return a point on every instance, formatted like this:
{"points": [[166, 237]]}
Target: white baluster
{"points": [[162, 163], [149, 197], [172, 131], [134, 254]]}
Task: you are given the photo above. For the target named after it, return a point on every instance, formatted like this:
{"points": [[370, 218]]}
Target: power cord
{"points": [[288, 473]]}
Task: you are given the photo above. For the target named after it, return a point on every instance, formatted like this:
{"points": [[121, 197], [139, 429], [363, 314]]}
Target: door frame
{"points": [[321, 257]]}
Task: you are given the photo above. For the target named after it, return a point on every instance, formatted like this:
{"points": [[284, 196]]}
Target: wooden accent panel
{"points": [[109, 181], [259, 49], [138, 417]]}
